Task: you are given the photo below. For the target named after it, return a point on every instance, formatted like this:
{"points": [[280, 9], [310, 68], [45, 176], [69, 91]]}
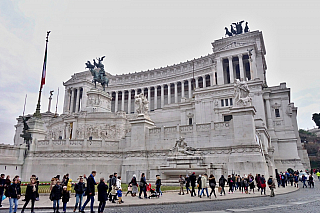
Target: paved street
{"points": [[306, 200]]}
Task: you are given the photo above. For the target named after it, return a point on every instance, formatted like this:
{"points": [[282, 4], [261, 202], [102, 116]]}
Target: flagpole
{"points": [[37, 114]]}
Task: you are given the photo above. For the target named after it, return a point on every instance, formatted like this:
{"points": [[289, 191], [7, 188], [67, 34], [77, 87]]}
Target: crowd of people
{"points": [[111, 189]]}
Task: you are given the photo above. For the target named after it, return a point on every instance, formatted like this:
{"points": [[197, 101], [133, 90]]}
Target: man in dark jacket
{"points": [[79, 188], [113, 187], [193, 180], [2, 183], [102, 194], [110, 187], [55, 196], [222, 182], [14, 194], [90, 191]]}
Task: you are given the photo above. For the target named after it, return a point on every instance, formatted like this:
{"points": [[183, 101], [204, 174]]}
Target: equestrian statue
{"points": [[98, 75]]}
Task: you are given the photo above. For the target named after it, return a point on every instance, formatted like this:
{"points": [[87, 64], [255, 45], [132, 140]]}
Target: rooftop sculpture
{"points": [[236, 28]]}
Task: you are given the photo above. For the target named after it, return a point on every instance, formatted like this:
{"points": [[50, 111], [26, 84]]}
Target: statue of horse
{"points": [[98, 76]]}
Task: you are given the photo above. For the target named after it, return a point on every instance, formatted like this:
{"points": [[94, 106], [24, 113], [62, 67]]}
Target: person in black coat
{"points": [[55, 196], [102, 195], [90, 191], [110, 187], [222, 182], [14, 192], [79, 188], [143, 186], [65, 198], [193, 180], [2, 184], [31, 193]]}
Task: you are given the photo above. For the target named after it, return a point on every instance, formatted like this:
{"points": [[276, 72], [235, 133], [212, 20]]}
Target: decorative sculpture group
{"points": [[182, 147], [141, 104], [241, 94], [236, 29], [98, 76]]}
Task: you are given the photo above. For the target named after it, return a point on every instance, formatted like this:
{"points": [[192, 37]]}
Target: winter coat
{"points": [[14, 190], [193, 179], [79, 188], [2, 183], [199, 182], [204, 181], [133, 181], [65, 196], [230, 181], [118, 183], [31, 192], [181, 181], [91, 185], [212, 182], [187, 182], [102, 192], [56, 192], [7, 184], [143, 181], [158, 182], [222, 181]]}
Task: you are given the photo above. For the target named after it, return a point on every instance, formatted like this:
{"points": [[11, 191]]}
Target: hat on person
{"points": [[193, 173]]}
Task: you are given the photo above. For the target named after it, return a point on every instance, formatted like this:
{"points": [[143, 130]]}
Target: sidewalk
{"points": [[169, 197]]}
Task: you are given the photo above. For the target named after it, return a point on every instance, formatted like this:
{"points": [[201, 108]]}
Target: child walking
{"points": [[65, 198], [119, 194], [129, 190]]}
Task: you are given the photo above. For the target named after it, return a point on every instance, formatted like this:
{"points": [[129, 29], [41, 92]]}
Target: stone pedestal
{"points": [[139, 127], [98, 101]]}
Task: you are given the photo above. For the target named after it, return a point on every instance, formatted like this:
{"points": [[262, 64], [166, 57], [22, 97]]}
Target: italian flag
{"points": [[43, 78]]}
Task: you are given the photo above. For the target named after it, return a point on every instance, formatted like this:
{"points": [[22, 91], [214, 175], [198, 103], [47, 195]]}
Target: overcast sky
{"points": [[142, 35]]}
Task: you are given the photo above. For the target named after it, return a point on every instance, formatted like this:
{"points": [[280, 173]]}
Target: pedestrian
{"points": [[110, 187], [119, 194], [291, 179], [204, 179], [37, 186], [182, 181], [238, 183], [193, 179], [158, 185], [318, 175], [222, 182], [30, 195], [278, 179], [14, 192], [304, 178], [251, 184], [55, 196], [53, 182], [114, 188], [134, 184], [296, 180], [102, 194], [311, 182], [65, 198], [69, 185], [2, 185], [79, 189], [199, 185], [283, 180], [129, 190], [212, 184], [272, 186], [230, 183], [119, 186], [263, 185], [143, 185], [6, 186], [90, 191], [258, 181], [187, 184]]}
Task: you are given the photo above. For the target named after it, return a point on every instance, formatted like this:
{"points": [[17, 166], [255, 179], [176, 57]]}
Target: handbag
{"points": [[18, 196], [141, 184], [219, 189]]}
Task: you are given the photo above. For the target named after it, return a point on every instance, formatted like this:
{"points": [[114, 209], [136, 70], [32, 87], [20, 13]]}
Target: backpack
{"points": [[269, 181]]}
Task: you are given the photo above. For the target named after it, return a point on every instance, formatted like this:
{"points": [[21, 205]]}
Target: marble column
{"points": [[155, 97], [162, 96], [197, 82], [66, 100], [204, 83], [122, 100], [254, 66], [129, 101], [220, 77], [190, 88], [78, 99], [241, 68], [175, 92], [169, 93], [135, 92], [182, 89], [72, 100], [269, 117], [84, 98], [149, 98], [231, 69], [211, 79], [116, 102]]}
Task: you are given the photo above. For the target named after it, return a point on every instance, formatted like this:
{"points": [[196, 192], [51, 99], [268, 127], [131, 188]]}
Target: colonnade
{"points": [[73, 100], [159, 95]]}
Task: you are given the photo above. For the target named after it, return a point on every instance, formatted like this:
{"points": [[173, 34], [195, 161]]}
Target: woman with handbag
{"points": [[14, 192], [212, 184], [134, 185], [263, 185], [31, 193], [143, 184]]}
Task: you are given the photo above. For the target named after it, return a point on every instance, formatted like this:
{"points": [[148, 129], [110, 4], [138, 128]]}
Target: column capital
{"points": [[240, 55], [230, 57]]}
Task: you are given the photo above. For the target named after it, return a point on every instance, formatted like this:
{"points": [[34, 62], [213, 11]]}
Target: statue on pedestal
{"points": [[241, 94], [98, 76], [182, 147], [26, 135], [141, 104]]}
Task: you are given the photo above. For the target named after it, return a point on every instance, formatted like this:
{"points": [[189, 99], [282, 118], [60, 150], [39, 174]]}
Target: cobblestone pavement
{"points": [[306, 200]]}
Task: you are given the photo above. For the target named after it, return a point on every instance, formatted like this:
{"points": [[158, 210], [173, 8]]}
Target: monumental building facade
{"points": [[214, 114]]}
